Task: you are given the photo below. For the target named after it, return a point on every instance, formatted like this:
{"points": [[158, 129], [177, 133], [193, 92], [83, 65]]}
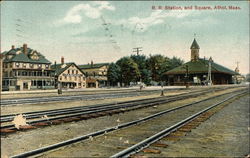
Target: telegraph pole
{"points": [[137, 50]]}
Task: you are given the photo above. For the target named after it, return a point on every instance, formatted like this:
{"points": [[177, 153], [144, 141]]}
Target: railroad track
{"points": [[144, 143], [39, 100], [84, 112], [185, 124]]}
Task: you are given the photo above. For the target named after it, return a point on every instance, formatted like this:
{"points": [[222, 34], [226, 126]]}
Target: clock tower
{"points": [[194, 51]]}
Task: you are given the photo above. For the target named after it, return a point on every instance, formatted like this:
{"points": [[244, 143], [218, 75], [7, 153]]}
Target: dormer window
{"points": [[24, 64], [31, 65], [18, 52], [34, 56]]}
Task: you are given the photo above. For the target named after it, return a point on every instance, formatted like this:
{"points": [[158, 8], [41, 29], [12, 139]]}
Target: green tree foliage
{"points": [[157, 64], [141, 61], [129, 70], [248, 77], [175, 62], [114, 74], [141, 68]]}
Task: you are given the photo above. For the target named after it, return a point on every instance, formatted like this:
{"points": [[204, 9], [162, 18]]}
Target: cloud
{"points": [[141, 24], [93, 11]]}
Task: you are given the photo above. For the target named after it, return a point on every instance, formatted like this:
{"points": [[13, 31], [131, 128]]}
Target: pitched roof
{"points": [[200, 66], [19, 56], [89, 66], [195, 45], [59, 69]]}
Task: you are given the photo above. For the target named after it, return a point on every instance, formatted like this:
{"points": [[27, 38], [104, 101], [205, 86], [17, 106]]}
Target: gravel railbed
{"points": [[113, 142], [32, 139], [225, 134]]}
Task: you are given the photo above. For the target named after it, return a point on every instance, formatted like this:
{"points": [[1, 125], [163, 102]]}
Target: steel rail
{"points": [[145, 143], [58, 99], [36, 100], [101, 109], [104, 131], [112, 107], [141, 104], [38, 114]]}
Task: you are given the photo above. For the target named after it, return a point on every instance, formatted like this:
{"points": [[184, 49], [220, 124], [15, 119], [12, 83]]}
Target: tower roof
{"points": [[194, 45]]}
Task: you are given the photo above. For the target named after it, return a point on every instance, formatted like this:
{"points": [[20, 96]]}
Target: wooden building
{"points": [[96, 74], [26, 69], [196, 71], [69, 75]]}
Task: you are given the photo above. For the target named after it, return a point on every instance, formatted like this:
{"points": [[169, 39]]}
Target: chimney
{"points": [[62, 60], [12, 47], [25, 49]]}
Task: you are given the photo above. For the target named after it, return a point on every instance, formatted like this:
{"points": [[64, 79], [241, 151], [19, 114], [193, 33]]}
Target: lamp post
{"points": [[209, 77], [186, 77], [1, 73]]}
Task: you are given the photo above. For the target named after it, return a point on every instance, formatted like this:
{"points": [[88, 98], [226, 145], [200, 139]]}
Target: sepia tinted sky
{"points": [[82, 31]]}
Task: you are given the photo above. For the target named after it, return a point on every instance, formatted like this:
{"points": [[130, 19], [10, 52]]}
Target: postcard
{"points": [[124, 79]]}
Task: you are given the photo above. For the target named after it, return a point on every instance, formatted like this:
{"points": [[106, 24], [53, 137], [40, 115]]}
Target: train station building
{"points": [[26, 69], [198, 71]]}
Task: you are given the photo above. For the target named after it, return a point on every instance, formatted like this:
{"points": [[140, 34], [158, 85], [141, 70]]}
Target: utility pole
{"points": [[137, 50]]}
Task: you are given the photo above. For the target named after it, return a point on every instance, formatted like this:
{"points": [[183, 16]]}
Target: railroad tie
{"points": [[26, 127], [5, 131], [151, 150]]}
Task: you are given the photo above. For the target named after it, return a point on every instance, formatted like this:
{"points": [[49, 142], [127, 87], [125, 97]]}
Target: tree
{"points": [[114, 74], [248, 77], [157, 64], [175, 62], [141, 61], [129, 70]]}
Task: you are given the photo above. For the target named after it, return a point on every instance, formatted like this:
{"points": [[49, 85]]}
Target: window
{"points": [[68, 71], [65, 77], [60, 78], [76, 71], [17, 64], [73, 71], [47, 66], [39, 65], [31, 65], [24, 64]]}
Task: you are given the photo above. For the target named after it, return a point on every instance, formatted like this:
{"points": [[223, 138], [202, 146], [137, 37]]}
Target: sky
{"points": [[104, 31]]}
